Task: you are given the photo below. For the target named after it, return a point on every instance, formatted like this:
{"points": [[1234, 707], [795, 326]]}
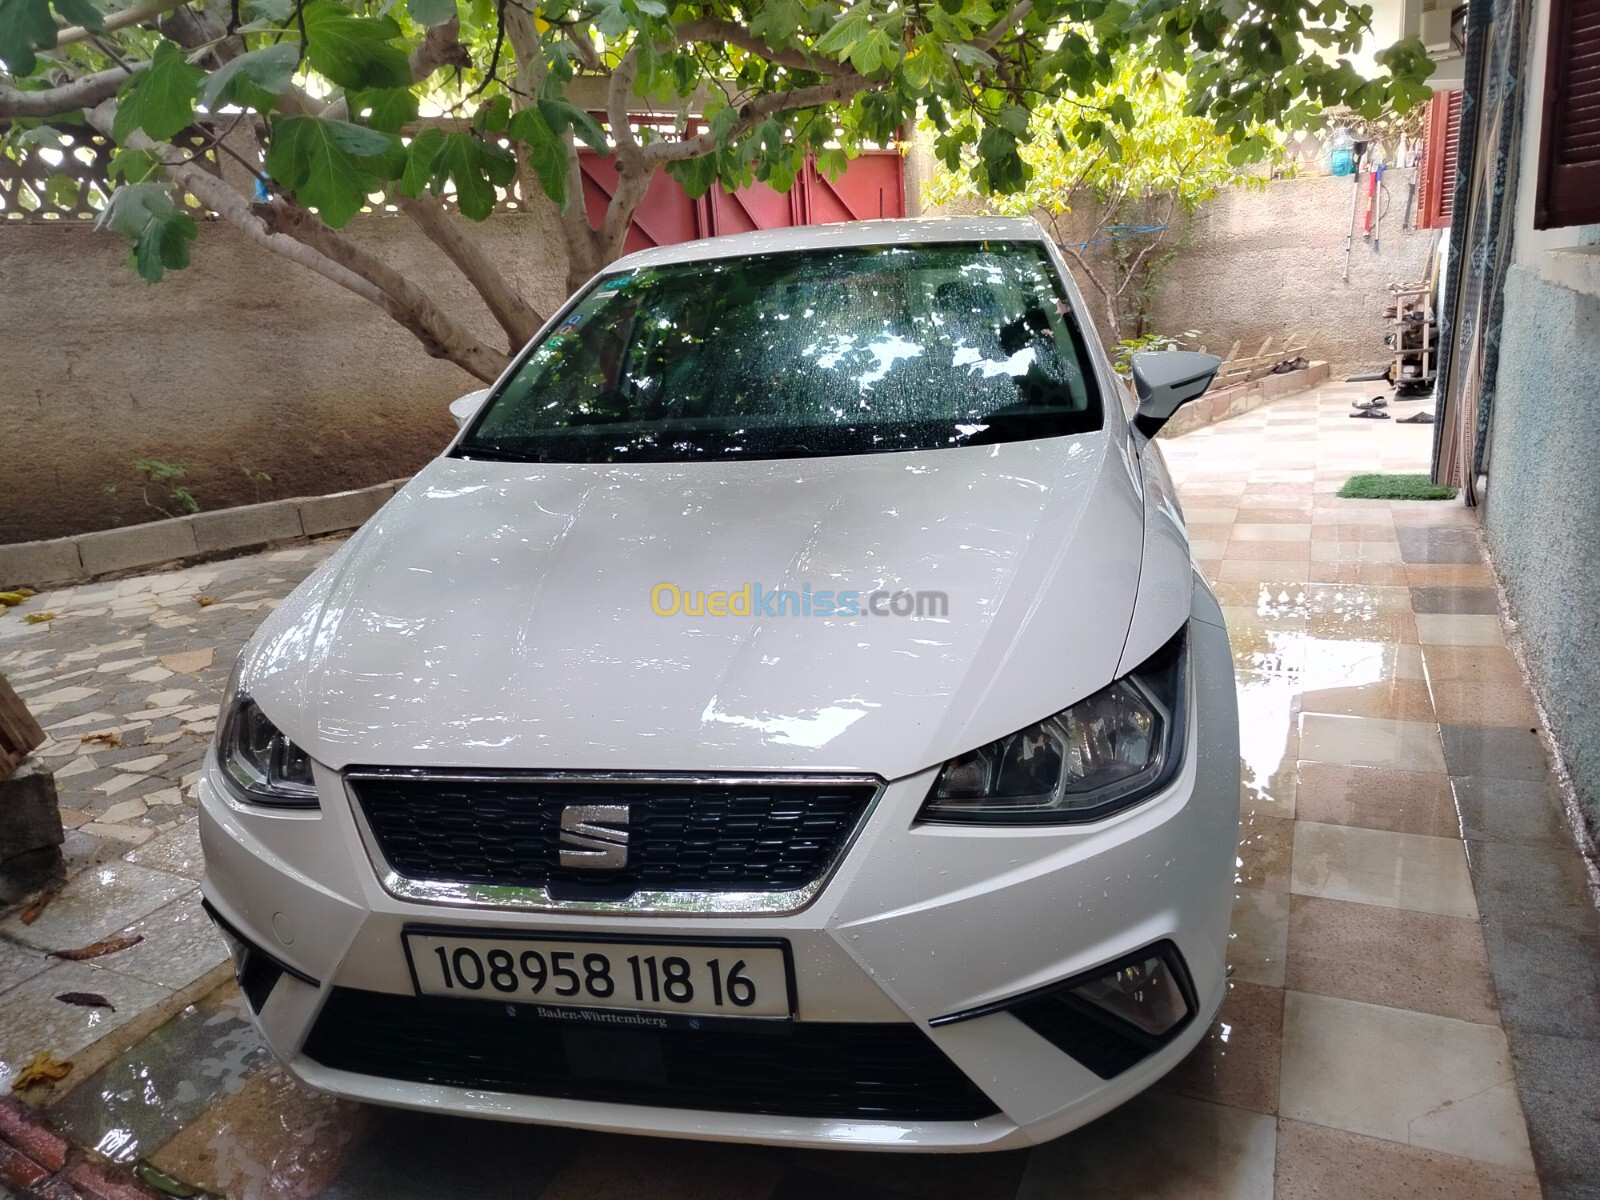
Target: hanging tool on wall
{"points": [[1372, 203], [1359, 148], [1377, 201]]}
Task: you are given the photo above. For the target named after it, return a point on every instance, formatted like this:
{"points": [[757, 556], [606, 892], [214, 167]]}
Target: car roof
{"points": [[906, 231]]}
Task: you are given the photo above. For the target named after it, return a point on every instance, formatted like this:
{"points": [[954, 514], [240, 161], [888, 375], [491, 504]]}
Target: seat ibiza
{"points": [[787, 712]]}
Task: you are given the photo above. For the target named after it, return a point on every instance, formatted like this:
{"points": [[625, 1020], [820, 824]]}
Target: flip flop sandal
{"points": [[1370, 414], [1375, 402], [1416, 418]]}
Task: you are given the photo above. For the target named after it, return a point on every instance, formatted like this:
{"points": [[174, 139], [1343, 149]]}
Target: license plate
{"points": [[712, 979]]}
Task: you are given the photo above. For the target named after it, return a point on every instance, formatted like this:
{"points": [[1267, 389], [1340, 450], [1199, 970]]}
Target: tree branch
{"points": [[515, 315], [403, 300], [619, 94], [634, 168], [587, 54], [233, 208], [732, 33], [78, 93], [631, 188], [1114, 329], [310, 243], [440, 47], [117, 20], [527, 48], [583, 241], [1133, 267], [1004, 26], [753, 113]]}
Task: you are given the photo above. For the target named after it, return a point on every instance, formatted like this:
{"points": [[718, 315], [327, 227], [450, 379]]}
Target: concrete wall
{"points": [[1542, 511], [247, 361], [242, 361], [1269, 262], [1266, 263]]}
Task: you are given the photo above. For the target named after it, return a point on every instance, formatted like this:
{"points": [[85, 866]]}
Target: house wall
{"points": [[1542, 510], [243, 361]]}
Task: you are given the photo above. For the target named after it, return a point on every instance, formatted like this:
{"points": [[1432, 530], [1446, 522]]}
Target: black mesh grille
{"points": [[815, 1069], [682, 836]]}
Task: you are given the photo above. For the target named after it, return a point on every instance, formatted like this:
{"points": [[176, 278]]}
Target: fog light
{"points": [[1144, 993]]}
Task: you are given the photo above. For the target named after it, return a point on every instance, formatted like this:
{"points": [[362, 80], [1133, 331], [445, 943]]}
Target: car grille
{"points": [[765, 835], [804, 1069]]}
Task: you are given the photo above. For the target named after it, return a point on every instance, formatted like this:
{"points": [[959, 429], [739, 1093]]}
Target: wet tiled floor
{"points": [[125, 679], [1405, 879]]}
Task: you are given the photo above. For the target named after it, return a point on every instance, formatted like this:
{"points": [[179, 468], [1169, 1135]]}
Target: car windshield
{"points": [[845, 351]]}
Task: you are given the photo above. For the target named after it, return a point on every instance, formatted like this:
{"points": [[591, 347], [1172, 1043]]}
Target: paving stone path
{"points": [[126, 680]]}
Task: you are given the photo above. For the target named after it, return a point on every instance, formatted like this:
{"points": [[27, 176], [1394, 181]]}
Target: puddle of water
{"points": [[137, 1102]]}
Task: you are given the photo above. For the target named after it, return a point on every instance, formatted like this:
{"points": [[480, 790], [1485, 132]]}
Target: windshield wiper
{"points": [[500, 454]]}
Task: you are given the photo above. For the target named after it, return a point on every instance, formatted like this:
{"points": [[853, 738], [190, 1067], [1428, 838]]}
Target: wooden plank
{"points": [[1277, 356], [20, 734]]}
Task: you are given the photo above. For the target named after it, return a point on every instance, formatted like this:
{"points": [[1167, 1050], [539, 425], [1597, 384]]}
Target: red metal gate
{"points": [[872, 186]]}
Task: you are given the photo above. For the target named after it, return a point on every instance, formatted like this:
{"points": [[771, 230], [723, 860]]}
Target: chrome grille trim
{"points": [[641, 903]]}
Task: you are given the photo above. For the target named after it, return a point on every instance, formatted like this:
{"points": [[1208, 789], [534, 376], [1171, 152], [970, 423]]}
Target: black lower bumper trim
{"points": [[1104, 1043], [257, 971], [799, 1069]]}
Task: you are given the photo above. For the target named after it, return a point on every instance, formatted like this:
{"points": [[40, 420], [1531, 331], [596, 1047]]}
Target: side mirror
{"points": [[464, 408], [1167, 379]]}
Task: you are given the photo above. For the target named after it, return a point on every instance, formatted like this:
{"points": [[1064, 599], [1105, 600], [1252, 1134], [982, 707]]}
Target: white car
{"points": [[787, 712]]}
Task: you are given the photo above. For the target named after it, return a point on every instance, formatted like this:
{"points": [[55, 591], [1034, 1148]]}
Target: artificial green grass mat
{"points": [[1394, 487]]}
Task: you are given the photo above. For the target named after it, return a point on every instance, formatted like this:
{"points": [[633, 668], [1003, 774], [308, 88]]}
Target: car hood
{"points": [[499, 615]]}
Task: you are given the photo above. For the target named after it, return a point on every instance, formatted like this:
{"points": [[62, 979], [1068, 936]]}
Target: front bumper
{"points": [[919, 922]]}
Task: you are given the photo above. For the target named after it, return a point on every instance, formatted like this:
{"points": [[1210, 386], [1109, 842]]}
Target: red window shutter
{"points": [[1569, 144], [1436, 192]]}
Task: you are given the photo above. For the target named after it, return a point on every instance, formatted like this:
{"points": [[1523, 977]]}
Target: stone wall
{"points": [[243, 361]]}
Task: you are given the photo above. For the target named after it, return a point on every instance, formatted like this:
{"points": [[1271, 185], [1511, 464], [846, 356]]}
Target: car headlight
{"points": [[1104, 753], [260, 765]]}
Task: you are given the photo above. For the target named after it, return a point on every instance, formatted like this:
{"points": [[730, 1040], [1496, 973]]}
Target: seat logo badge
{"points": [[594, 836]]}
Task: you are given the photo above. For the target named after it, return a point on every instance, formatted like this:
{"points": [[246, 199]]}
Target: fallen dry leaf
{"points": [[96, 949], [86, 1000], [110, 737], [10, 599], [31, 913], [39, 618], [45, 1068], [204, 601]]}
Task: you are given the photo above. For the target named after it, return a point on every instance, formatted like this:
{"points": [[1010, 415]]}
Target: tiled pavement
{"points": [[126, 680], [1412, 918]]}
